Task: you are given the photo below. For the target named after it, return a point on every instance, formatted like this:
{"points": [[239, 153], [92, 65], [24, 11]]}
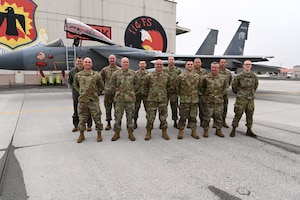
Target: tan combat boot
{"points": [[180, 134], [74, 129], [81, 137], [250, 133], [219, 133], [164, 134], [232, 134], [131, 136], [116, 136], [99, 138], [89, 128], [195, 134], [108, 126], [205, 133], [148, 135]]}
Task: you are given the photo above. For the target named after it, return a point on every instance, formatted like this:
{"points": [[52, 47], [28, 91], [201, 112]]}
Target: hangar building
{"points": [[112, 17]]}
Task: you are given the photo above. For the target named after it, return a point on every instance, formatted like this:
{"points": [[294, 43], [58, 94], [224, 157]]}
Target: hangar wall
{"points": [[117, 14], [114, 13]]}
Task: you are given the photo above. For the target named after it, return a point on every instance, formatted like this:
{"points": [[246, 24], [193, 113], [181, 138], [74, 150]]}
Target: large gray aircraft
{"points": [[56, 56]]}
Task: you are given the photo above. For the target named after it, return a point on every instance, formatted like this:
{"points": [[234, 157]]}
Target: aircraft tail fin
{"points": [[208, 45], [237, 44]]}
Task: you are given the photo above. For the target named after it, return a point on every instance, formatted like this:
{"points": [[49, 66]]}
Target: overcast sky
{"points": [[274, 28]]}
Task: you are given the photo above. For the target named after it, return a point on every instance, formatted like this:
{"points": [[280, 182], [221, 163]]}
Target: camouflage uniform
{"points": [[172, 95], [89, 86], [122, 87], [213, 89], [244, 86], [75, 96], [140, 92], [227, 74], [106, 74], [202, 72], [188, 87], [157, 85]]}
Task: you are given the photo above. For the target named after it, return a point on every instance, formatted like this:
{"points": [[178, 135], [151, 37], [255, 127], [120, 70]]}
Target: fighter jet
{"points": [[59, 57]]}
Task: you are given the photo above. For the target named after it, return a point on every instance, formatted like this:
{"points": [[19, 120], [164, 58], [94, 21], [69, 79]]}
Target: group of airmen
{"points": [[189, 93]]}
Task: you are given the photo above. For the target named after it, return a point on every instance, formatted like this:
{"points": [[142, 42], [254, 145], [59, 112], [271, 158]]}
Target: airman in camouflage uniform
{"points": [[202, 72], [106, 74], [157, 84], [244, 86], [75, 95], [89, 85], [213, 88], [173, 72], [188, 87], [122, 86], [140, 90], [227, 74]]}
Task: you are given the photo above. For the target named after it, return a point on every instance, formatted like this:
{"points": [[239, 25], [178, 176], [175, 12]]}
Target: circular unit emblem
{"points": [[146, 33]]}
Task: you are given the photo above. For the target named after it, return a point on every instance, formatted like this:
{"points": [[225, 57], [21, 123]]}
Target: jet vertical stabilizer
{"points": [[237, 44], [208, 45]]}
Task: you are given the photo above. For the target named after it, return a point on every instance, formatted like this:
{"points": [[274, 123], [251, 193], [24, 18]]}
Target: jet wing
{"points": [[207, 59], [135, 55], [214, 57], [265, 68]]}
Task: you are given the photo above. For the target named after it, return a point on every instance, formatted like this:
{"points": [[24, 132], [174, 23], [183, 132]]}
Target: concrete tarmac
{"points": [[40, 159]]}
